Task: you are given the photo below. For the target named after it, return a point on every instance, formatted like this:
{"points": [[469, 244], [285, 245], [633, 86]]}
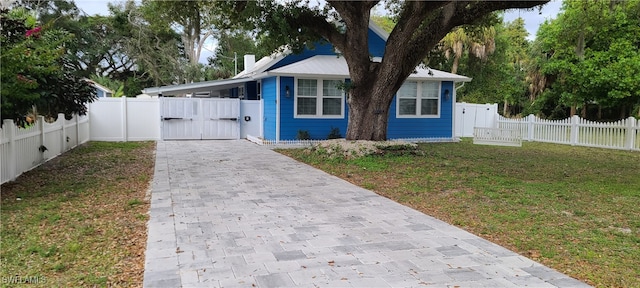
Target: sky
{"points": [[532, 19]]}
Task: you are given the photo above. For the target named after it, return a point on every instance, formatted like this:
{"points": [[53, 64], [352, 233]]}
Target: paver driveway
{"points": [[234, 214]]}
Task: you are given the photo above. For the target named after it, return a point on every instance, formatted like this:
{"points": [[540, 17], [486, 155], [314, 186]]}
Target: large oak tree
{"points": [[420, 26]]}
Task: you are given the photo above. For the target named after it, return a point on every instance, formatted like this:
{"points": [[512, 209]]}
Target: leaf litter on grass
{"points": [[97, 238], [516, 198]]}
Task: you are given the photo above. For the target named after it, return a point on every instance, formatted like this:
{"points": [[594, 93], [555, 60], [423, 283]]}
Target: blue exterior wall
{"points": [[376, 44], [318, 129], [269, 100], [424, 127]]}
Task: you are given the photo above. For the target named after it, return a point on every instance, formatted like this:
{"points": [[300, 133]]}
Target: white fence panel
{"points": [[623, 134], [23, 149], [497, 136], [125, 119], [143, 119], [469, 116], [250, 116]]}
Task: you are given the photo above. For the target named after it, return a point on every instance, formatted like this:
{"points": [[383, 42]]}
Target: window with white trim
{"points": [[418, 99], [318, 98]]}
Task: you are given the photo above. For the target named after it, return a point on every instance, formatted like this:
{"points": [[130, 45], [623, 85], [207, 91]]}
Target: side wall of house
{"points": [[318, 129], [269, 100], [441, 127]]}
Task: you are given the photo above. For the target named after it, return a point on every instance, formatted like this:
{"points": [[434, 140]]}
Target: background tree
{"points": [[589, 57], [155, 49], [420, 26], [35, 72], [232, 46]]}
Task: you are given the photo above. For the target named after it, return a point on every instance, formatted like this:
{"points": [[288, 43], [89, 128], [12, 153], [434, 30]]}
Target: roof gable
{"points": [[377, 41]]}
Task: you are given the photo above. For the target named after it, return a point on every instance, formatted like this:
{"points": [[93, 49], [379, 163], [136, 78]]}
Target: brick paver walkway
{"points": [[234, 214]]}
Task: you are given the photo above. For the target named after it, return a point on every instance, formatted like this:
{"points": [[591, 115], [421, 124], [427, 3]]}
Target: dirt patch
{"points": [[358, 148]]}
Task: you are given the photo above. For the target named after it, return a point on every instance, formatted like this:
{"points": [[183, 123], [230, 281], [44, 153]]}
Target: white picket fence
{"points": [[22, 149], [623, 134], [497, 136]]}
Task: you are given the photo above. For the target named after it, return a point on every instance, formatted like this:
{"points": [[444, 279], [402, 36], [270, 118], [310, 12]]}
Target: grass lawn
{"points": [[79, 220], [575, 209]]}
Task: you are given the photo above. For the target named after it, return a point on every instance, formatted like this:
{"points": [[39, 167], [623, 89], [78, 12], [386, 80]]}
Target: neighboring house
{"points": [[299, 92], [101, 91]]}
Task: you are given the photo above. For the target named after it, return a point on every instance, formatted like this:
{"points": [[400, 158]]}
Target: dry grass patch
{"points": [[79, 220]]}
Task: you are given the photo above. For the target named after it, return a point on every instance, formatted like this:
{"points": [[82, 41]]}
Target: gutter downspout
{"points": [[277, 109]]}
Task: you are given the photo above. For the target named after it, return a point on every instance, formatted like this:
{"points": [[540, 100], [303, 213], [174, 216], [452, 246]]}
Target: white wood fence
{"points": [[623, 134], [22, 149]]}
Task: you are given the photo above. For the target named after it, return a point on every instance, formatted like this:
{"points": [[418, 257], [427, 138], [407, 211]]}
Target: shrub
{"points": [[303, 135], [334, 134]]}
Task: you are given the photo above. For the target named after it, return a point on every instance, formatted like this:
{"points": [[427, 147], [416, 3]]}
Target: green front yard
{"points": [[79, 220], [574, 209]]}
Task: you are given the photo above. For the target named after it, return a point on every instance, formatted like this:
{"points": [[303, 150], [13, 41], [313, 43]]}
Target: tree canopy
{"points": [[420, 25], [36, 71], [590, 55]]}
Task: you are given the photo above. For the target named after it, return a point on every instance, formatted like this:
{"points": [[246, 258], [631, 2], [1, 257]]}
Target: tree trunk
{"points": [[599, 112], [505, 109], [368, 114], [456, 62], [573, 110], [421, 25], [623, 111]]}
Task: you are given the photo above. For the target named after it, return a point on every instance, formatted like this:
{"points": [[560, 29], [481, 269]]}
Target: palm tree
{"points": [[480, 45]]}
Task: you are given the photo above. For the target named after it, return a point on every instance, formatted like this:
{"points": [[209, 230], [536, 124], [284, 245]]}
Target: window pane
{"points": [[407, 107], [429, 107], [429, 90], [330, 88], [306, 106], [307, 87], [331, 106], [408, 90]]}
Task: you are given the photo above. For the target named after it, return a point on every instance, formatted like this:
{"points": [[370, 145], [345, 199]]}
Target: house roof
{"points": [[195, 87], [336, 67], [98, 86], [263, 64], [268, 61], [324, 66]]}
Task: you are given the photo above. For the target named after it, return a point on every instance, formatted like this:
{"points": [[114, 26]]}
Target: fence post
{"points": [[63, 138], [574, 130], [41, 128], [77, 116], [13, 160], [530, 120], [630, 133], [124, 119]]}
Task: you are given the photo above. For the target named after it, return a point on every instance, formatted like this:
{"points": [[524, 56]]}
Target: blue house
{"points": [[299, 92]]}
